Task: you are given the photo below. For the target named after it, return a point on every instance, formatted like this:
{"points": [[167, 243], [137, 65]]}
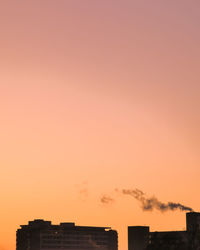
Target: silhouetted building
{"points": [[42, 235], [140, 238], [176, 240]]}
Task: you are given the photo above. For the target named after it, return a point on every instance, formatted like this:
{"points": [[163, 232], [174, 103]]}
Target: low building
{"points": [[176, 240], [140, 238], [42, 235]]}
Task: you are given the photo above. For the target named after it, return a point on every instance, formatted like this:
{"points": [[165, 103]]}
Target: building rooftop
{"points": [[40, 223]]}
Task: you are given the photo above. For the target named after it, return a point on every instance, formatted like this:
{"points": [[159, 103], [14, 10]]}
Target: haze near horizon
{"points": [[98, 95]]}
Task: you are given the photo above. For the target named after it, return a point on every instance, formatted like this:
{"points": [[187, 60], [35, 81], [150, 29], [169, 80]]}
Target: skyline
{"points": [[68, 235], [94, 96]]}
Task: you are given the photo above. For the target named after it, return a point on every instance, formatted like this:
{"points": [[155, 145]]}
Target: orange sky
{"points": [[98, 95]]}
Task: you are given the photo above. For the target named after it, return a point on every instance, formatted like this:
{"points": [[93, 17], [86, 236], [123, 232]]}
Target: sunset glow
{"points": [[94, 96]]}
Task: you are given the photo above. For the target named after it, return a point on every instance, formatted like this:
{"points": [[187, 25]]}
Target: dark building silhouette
{"points": [[137, 237], [42, 235], [140, 238]]}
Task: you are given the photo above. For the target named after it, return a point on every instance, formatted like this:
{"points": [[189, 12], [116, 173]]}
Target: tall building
{"points": [[140, 238], [42, 235]]}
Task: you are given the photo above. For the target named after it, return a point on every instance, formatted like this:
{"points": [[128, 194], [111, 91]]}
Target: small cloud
{"points": [[106, 199], [83, 191]]}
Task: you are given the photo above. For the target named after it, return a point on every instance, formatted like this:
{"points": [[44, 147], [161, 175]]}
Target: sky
{"points": [[98, 95]]}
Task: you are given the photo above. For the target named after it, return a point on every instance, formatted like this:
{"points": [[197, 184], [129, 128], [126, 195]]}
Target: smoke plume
{"points": [[83, 191], [106, 199], [148, 204]]}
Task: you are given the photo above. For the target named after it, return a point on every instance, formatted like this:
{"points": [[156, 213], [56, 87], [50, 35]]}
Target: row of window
{"points": [[43, 247], [86, 237], [73, 242], [73, 233]]}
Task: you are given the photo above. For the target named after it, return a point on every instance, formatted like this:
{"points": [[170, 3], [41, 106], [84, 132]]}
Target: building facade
{"points": [[140, 238], [42, 235]]}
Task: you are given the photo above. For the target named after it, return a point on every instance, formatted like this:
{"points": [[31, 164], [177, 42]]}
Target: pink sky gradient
{"points": [[100, 95]]}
